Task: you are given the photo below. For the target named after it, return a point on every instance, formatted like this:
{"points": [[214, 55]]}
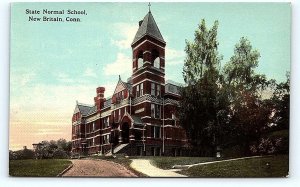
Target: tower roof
{"points": [[148, 27]]}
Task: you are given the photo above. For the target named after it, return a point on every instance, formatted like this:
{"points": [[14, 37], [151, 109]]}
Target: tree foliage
{"points": [[200, 99], [232, 106]]}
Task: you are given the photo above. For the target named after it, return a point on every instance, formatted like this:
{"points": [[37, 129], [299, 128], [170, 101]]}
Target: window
{"points": [[152, 110], [152, 89], [93, 142], [119, 113], [158, 90], [155, 131], [138, 91], [155, 58], [106, 139], [142, 89], [157, 111], [140, 63], [174, 119], [93, 126], [157, 63], [106, 122], [140, 60]]}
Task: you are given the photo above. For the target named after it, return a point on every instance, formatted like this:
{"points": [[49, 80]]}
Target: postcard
{"points": [[149, 89]]}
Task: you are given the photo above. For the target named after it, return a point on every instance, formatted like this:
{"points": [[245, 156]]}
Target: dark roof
{"points": [[92, 110], [107, 103], [84, 109], [148, 27]]}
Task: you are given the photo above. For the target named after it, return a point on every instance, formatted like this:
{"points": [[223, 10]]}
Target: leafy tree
{"points": [[249, 113], [281, 101], [200, 111]]}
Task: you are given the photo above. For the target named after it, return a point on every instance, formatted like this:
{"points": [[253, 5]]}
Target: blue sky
{"points": [[54, 64]]}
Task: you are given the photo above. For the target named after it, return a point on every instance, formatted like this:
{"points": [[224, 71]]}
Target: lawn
{"points": [[37, 168], [169, 162], [254, 167]]}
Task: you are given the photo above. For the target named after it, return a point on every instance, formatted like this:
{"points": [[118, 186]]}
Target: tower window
{"points": [[157, 62], [152, 88], [156, 59], [140, 59]]}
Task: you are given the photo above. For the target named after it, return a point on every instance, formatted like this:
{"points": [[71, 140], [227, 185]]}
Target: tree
{"points": [[249, 112], [200, 110]]}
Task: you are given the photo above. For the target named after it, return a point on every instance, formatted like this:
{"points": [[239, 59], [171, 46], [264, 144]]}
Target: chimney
{"points": [[140, 23], [99, 99]]}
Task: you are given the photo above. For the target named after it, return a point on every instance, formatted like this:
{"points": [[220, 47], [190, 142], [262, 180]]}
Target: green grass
{"points": [[254, 167], [37, 168], [169, 162]]}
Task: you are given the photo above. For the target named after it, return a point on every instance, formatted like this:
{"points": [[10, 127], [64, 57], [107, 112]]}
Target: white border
{"points": [[293, 180]]}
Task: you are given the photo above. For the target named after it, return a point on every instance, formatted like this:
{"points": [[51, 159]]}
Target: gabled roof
{"points": [[85, 109], [121, 86], [148, 27]]}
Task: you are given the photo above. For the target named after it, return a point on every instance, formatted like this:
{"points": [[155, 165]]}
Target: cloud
{"points": [[64, 78], [89, 72], [125, 32], [121, 66], [174, 57]]}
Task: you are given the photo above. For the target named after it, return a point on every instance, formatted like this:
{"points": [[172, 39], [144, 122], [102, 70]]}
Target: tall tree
{"points": [[199, 102], [249, 113]]}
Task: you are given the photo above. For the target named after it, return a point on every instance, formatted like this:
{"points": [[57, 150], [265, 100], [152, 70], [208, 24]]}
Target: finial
{"points": [[149, 5], [119, 77], [76, 102]]}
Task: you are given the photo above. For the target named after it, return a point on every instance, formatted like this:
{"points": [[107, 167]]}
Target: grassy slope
{"points": [[169, 162], [37, 168], [255, 167]]}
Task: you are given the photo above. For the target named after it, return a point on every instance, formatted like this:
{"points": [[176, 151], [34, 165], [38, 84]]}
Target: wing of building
{"points": [[140, 117]]}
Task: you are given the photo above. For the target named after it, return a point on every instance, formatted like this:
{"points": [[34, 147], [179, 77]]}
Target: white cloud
{"points": [[126, 33], [122, 66], [64, 78], [89, 72], [174, 57]]}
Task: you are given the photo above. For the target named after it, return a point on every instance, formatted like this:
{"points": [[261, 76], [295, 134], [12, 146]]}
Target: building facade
{"points": [[140, 117]]}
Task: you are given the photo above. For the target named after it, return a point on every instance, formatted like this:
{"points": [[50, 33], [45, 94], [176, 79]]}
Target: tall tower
{"points": [[148, 63]]}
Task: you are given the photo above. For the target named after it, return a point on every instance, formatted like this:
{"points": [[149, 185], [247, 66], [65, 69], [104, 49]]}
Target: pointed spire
{"points": [[149, 5], [148, 27], [120, 78]]}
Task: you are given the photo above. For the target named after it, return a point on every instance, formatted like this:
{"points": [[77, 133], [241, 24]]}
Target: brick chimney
{"points": [[99, 99]]}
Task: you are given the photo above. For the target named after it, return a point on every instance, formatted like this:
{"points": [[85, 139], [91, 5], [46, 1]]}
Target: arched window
{"points": [[156, 59], [140, 59]]}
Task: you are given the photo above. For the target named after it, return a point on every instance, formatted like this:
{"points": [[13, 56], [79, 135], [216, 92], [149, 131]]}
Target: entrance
{"points": [[125, 132]]}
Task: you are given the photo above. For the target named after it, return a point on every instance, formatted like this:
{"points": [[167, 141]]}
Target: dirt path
{"points": [[144, 166], [97, 168]]}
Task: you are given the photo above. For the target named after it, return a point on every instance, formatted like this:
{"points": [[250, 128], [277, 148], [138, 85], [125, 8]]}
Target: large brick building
{"points": [[140, 117]]}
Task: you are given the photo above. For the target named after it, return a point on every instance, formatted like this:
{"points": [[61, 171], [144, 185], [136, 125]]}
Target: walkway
{"points": [[205, 163], [145, 167], [97, 168]]}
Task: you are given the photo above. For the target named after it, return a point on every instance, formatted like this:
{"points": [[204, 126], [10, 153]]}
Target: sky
{"points": [[53, 64]]}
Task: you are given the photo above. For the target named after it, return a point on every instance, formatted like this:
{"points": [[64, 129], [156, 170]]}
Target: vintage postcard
{"points": [[149, 89]]}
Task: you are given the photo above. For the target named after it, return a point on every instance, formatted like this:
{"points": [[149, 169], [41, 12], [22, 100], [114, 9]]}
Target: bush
{"points": [[58, 153]]}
